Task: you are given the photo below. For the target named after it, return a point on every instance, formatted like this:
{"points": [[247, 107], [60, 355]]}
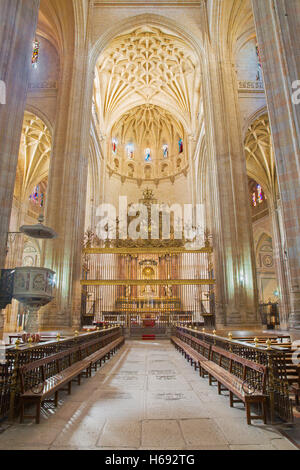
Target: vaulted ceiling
{"points": [[34, 156], [147, 65], [148, 92], [148, 125], [260, 157]]}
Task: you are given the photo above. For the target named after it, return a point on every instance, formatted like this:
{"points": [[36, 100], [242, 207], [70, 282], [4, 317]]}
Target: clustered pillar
{"points": [[17, 32], [278, 28], [236, 290]]}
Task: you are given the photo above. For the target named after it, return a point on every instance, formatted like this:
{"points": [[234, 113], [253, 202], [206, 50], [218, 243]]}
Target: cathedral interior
{"points": [[149, 203]]}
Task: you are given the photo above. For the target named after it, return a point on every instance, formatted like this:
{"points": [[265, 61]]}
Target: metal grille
{"points": [[277, 389], [15, 358]]}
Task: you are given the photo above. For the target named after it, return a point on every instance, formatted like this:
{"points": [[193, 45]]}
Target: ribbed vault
{"points": [[147, 93], [260, 156], [148, 127], [147, 65], [34, 156]]}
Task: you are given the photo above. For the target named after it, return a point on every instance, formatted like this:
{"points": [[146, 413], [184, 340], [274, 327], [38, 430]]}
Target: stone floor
{"points": [[146, 397]]}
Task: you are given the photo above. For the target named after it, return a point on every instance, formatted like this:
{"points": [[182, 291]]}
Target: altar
{"points": [[149, 323], [147, 282]]}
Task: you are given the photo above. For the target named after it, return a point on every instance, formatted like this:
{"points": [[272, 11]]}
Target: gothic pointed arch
{"points": [[260, 157]]}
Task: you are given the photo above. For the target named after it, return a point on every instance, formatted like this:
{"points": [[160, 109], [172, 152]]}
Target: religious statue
{"points": [[148, 291], [168, 291], [128, 291]]}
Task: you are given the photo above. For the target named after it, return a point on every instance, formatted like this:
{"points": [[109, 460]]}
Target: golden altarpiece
{"points": [[147, 282]]}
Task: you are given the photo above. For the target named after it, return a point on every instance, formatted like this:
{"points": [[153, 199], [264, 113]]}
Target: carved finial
{"points": [[269, 344]]}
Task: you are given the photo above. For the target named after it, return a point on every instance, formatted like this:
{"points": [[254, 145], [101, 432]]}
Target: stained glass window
{"points": [[259, 65], [260, 196], [130, 151], [114, 145], [37, 197], [257, 195], [35, 53], [147, 155], [165, 150], [180, 144]]}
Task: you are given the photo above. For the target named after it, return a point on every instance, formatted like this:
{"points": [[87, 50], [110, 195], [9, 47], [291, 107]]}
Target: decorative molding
{"points": [[246, 85], [149, 282], [163, 3], [144, 250], [42, 93], [42, 85]]}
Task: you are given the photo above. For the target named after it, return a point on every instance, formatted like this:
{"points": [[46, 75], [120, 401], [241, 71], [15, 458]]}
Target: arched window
{"points": [[260, 195], [37, 196], [148, 155], [130, 151], [165, 149], [259, 65], [257, 194], [35, 53], [114, 145]]}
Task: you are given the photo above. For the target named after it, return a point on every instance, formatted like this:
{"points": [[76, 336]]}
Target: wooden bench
{"points": [[191, 355], [44, 378], [197, 353], [291, 369], [248, 385], [220, 366], [295, 388], [102, 354]]}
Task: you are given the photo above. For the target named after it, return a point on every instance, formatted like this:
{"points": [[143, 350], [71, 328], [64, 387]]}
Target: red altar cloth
{"points": [[149, 323]]}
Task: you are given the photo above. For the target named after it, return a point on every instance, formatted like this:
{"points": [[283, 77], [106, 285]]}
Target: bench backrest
{"points": [[38, 371], [47, 360], [241, 360], [245, 369], [94, 345], [202, 347]]}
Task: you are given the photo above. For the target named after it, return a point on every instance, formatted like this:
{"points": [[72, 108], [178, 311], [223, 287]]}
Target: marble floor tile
{"points": [[146, 397], [161, 434]]}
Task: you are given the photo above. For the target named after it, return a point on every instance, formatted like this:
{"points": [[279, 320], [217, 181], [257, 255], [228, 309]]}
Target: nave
{"points": [[146, 397]]}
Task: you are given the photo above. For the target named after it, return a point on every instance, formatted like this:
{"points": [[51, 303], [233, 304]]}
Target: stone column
{"points": [[278, 28], [17, 32], [280, 260], [236, 290], [66, 197]]}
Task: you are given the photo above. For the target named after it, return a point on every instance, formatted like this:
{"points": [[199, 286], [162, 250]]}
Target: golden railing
{"points": [[148, 282]]}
